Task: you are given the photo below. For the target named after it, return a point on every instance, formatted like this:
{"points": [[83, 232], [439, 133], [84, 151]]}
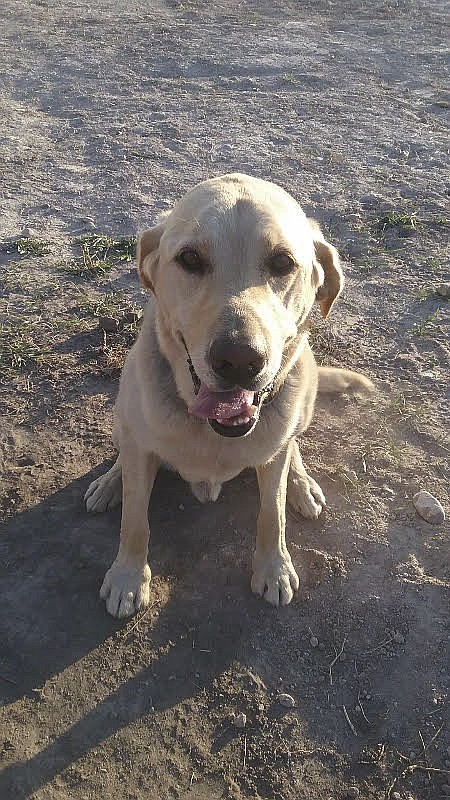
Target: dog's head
{"points": [[236, 267]]}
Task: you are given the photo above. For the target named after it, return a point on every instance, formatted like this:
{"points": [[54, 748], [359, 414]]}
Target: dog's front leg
{"points": [[274, 576], [126, 584]]}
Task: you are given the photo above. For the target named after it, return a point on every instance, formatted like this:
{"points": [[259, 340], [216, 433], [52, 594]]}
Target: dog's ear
{"points": [[147, 254], [327, 270]]}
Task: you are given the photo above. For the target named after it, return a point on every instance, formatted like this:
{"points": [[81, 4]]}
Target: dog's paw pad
{"points": [[126, 589]]}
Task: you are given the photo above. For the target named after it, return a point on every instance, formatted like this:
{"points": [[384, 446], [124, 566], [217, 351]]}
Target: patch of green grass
{"points": [[29, 246], [19, 350], [425, 327], [424, 293], [111, 304], [405, 221], [108, 248], [289, 77], [99, 253]]}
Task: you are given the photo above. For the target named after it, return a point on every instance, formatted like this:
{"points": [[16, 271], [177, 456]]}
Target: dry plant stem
{"points": [[350, 723], [139, 619], [408, 770], [8, 680], [362, 710], [337, 656], [378, 647]]}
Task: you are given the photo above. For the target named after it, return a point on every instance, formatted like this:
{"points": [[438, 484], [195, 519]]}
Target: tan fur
{"points": [[235, 222]]}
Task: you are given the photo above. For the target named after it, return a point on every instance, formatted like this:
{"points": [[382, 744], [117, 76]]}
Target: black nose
{"points": [[237, 362]]}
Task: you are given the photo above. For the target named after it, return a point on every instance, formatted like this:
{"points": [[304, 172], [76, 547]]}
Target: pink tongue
{"points": [[222, 405]]}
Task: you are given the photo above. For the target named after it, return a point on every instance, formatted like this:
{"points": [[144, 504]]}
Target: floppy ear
{"points": [[147, 254], [328, 269]]}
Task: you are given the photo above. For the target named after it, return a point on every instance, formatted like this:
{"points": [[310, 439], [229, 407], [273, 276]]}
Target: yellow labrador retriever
{"points": [[222, 376]]}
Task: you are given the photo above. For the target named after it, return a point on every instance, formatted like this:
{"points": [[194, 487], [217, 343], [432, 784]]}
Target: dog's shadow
{"points": [[55, 555]]}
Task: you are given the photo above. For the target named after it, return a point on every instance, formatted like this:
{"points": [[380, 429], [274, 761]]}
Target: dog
{"points": [[222, 376]]}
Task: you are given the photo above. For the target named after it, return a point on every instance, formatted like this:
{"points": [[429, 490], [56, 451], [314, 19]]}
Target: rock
{"points": [[108, 324], [286, 700], [428, 507], [240, 720], [398, 638], [131, 317], [26, 461], [314, 642], [353, 793], [443, 289]]}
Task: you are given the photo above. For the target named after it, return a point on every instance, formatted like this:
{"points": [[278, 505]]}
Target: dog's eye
{"points": [[281, 263], [190, 260]]}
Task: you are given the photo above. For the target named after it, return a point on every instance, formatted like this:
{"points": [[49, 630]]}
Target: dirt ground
{"points": [[109, 112]]}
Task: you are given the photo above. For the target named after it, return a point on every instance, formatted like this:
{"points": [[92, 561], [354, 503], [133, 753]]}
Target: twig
{"points": [[245, 749], [350, 723], [378, 647], [411, 768], [362, 710], [8, 680], [192, 778], [139, 619], [338, 655], [434, 737], [424, 750]]}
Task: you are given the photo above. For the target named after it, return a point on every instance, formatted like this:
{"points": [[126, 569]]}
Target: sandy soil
{"points": [[109, 112]]}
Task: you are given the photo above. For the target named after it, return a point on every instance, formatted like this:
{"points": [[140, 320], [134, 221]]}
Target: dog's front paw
{"points": [[274, 577], [305, 495], [126, 589]]}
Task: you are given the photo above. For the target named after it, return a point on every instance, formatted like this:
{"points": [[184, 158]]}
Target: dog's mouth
{"points": [[232, 413]]}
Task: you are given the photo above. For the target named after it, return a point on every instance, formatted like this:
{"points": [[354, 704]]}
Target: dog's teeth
{"points": [[235, 422], [245, 420], [240, 420]]}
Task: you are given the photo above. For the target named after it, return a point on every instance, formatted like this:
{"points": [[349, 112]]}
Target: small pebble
{"points": [[353, 793], [428, 507], [314, 642], [240, 720], [108, 324], [443, 289], [286, 700]]}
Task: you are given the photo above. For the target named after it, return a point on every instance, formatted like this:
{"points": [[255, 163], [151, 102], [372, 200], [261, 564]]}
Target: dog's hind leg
{"points": [[303, 493], [205, 491], [106, 491]]}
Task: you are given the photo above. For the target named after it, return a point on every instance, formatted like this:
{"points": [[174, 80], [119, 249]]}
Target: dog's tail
{"points": [[332, 379]]}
